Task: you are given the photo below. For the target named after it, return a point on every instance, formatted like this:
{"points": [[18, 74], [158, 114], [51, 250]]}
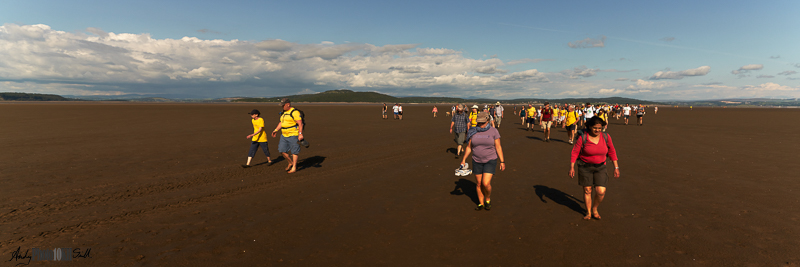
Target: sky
{"points": [[653, 50]]}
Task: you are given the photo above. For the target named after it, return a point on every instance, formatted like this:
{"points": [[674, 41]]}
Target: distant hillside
{"points": [[372, 97], [31, 97]]}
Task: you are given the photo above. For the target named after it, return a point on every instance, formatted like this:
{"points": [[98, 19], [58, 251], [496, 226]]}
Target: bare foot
{"points": [[587, 217], [289, 167], [597, 216], [293, 170]]}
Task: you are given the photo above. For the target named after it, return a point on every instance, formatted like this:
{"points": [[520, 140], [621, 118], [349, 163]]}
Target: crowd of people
{"points": [[476, 134]]}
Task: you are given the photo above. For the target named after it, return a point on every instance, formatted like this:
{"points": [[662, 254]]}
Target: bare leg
{"points": [[479, 188], [248, 160], [587, 198], [600, 193], [289, 159], [294, 164], [486, 187]]}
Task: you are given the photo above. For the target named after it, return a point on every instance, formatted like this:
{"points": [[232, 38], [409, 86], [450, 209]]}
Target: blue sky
{"points": [[550, 49]]}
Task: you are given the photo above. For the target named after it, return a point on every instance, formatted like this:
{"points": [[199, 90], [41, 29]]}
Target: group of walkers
{"points": [[591, 146], [397, 109], [291, 128], [476, 135]]}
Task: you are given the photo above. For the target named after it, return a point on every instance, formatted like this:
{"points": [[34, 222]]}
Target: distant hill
{"points": [[348, 96], [31, 97]]}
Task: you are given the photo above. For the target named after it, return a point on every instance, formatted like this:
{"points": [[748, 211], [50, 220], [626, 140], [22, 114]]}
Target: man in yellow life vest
{"points": [[531, 119], [291, 127]]}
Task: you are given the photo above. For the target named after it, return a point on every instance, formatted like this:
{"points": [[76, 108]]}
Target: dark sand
{"points": [[161, 185]]}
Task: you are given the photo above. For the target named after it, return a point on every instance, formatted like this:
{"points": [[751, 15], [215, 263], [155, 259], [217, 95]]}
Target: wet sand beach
{"points": [[161, 185]]}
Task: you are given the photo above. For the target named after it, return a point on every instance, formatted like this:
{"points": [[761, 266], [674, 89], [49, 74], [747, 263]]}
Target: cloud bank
{"points": [[96, 61]]}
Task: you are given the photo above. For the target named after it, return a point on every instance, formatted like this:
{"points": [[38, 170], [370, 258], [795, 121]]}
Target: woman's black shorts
{"points": [[592, 175]]}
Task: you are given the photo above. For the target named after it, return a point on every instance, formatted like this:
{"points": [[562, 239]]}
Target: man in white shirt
{"points": [[626, 112], [498, 114], [588, 112], [400, 109], [396, 110]]}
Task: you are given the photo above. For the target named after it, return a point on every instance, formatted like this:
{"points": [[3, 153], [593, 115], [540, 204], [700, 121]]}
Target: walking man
{"points": [[258, 138], [459, 125], [498, 114], [639, 114], [571, 121], [291, 127], [531, 113], [385, 109]]}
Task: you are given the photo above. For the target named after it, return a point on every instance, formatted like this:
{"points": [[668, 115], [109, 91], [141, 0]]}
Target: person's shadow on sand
{"points": [[466, 187], [560, 198], [314, 161], [451, 150]]}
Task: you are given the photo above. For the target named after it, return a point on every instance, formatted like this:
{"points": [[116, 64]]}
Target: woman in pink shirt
{"points": [[590, 153]]}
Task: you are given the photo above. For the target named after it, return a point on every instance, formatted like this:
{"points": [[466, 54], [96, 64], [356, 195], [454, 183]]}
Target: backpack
{"points": [[302, 117]]}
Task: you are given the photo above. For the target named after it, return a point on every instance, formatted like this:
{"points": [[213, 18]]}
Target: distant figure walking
{"points": [[291, 127], [547, 120], [571, 123], [484, 141], [655, 110], [530, 118], [258, 138], [473, 116], [434, 111], [640, 114], [385, 110], [459, 125], [589, 153], [396, 110], [626, 113], [400, 110], [498, 114]]}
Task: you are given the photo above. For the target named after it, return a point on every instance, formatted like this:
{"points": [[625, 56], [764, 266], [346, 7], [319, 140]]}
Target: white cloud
{"points": [[748, 68], [581, 71], [588, 43], [644, 84], [489, 70], [715, 86], [770, 87], [677, 75], [528, 75]]}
